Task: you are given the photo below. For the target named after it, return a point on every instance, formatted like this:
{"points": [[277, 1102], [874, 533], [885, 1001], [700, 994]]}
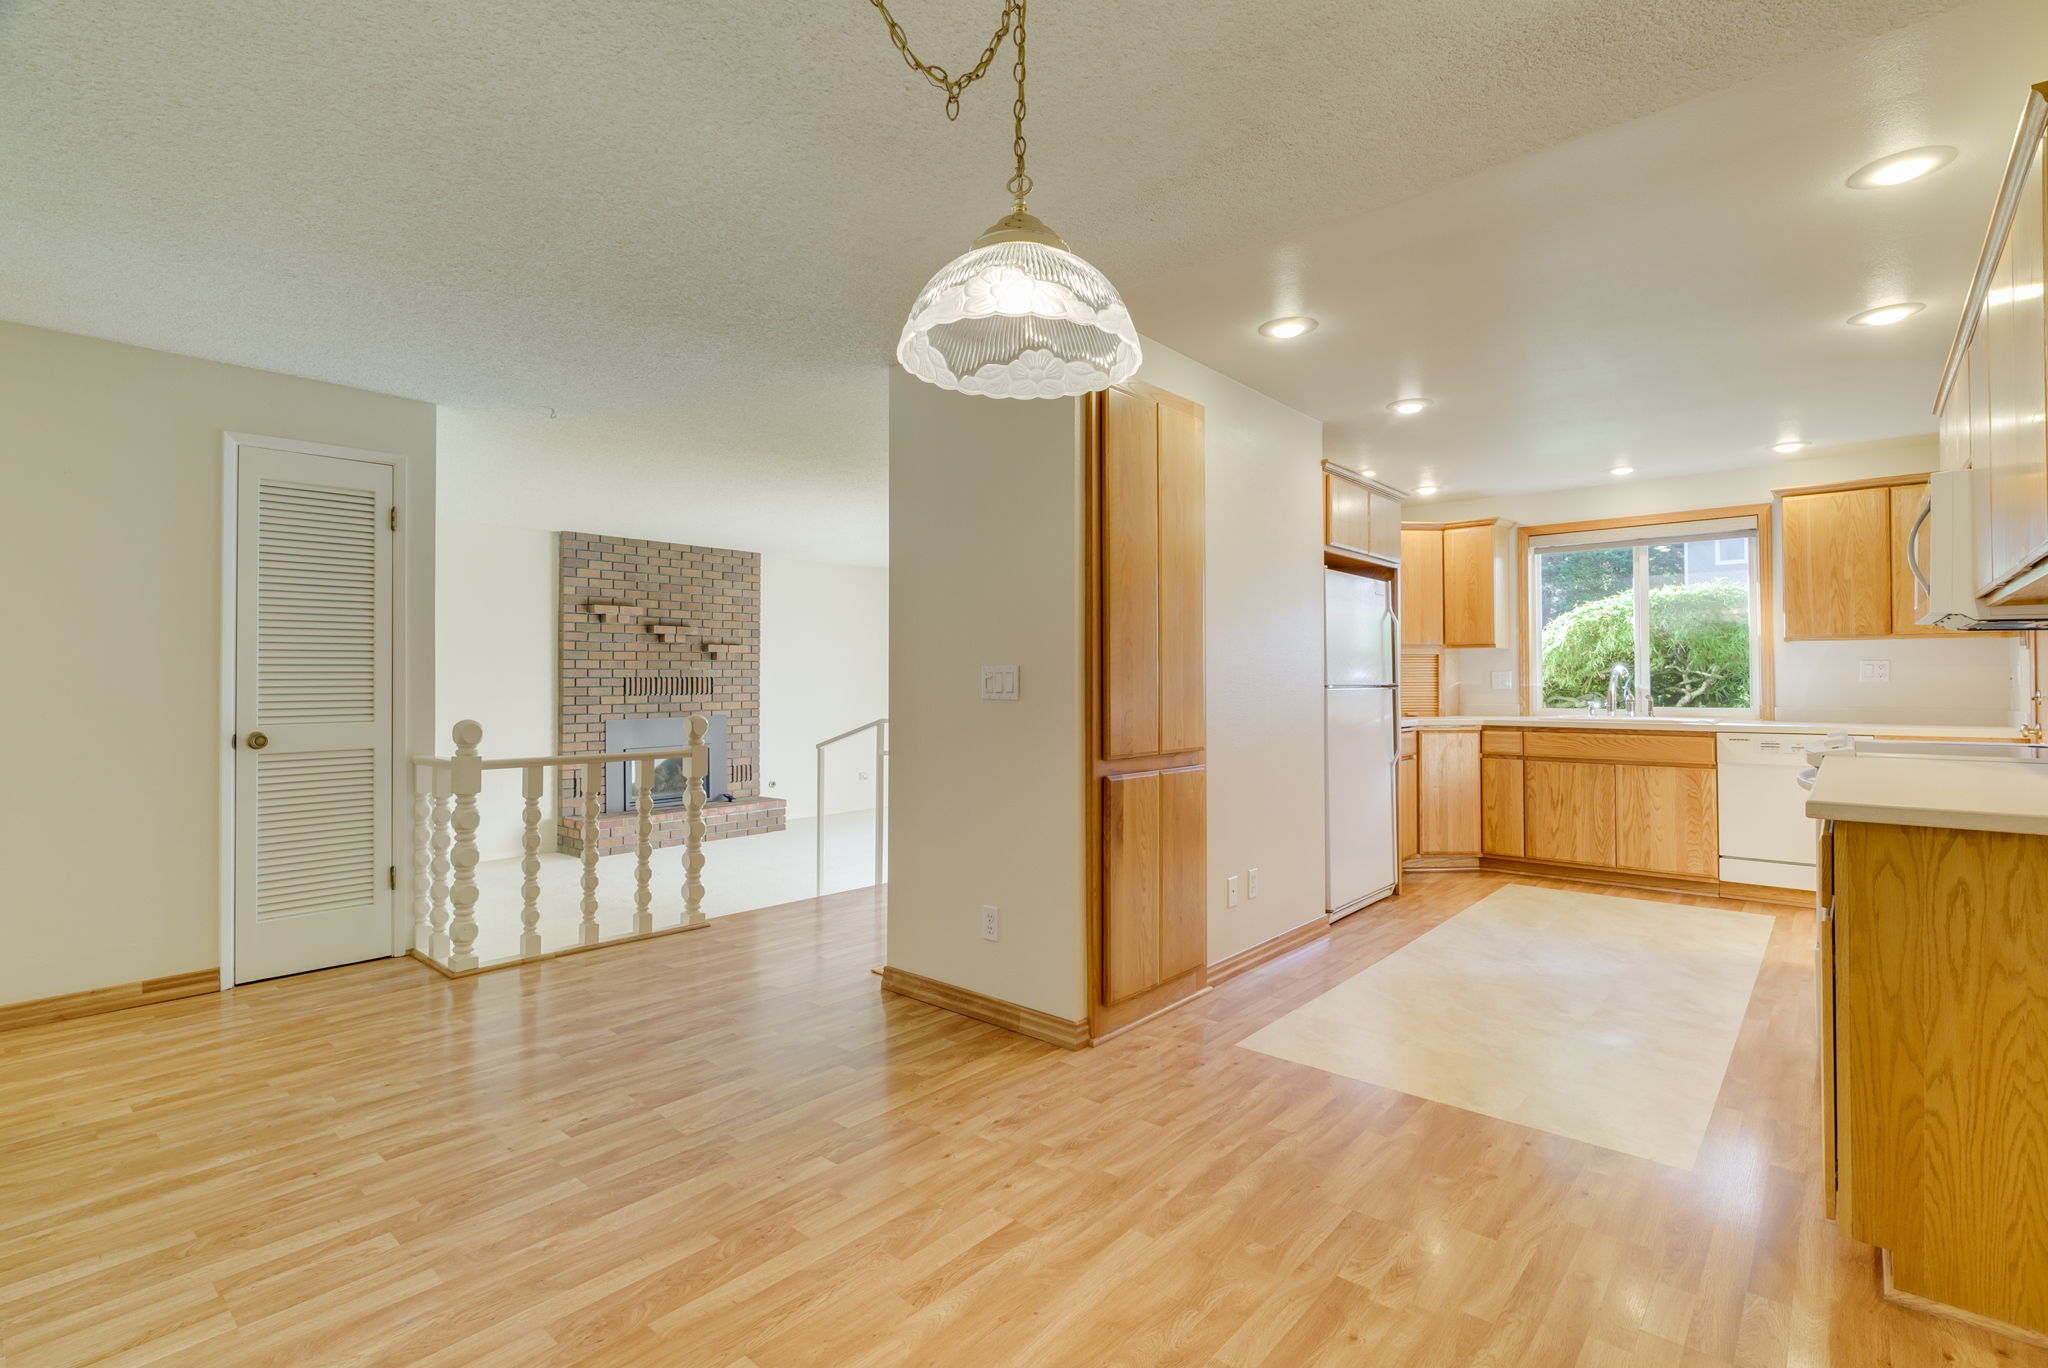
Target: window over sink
{"points": [[1669, 613]]}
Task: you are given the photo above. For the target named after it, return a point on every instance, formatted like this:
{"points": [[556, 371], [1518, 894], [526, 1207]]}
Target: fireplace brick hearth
{"points": [[655, 629]]}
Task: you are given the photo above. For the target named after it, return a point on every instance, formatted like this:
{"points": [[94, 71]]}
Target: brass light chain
{"points": [[1019, 184]]}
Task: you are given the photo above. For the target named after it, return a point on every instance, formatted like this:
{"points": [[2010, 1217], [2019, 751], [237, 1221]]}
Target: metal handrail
{"points": [[880, 727]]}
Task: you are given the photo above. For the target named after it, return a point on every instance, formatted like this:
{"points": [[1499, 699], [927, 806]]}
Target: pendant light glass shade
{"points": [[1019, 317]]}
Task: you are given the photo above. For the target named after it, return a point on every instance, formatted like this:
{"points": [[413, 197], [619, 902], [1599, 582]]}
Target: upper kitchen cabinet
{"points": [[1361, 517], [1847, 567], [1993, 389], [1457, 583]]}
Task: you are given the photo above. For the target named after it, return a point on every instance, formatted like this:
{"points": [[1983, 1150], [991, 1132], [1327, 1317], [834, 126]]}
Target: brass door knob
{"points": [[256, 740]]}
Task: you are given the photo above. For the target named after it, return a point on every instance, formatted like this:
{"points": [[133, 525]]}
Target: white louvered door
{"points": [[314, 692]]}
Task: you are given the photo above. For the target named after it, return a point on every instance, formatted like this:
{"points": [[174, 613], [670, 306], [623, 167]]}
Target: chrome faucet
{"points": [[1621, 694]]}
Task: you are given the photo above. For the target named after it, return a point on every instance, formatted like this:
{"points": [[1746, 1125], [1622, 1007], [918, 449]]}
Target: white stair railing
{"points": [[445, 821], [880, 728]]}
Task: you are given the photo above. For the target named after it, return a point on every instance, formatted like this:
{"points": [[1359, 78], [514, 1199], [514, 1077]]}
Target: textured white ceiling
{"points": [[690, 228], [1669, 294]]}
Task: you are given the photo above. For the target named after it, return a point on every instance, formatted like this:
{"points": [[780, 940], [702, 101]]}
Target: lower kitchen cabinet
{"points": [[1934, 993], [1500, 807], [1641, 803], [1448, 793], [1569, 812], [1667, 820]]}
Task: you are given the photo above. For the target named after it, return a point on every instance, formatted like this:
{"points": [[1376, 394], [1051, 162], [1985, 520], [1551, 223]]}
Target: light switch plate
{"points": [[1873, 672], [1503, 679], [999, 682], [1230, 891]]}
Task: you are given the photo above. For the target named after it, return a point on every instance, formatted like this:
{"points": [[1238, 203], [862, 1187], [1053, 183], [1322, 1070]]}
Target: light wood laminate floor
{"points": [[729, 1149]]}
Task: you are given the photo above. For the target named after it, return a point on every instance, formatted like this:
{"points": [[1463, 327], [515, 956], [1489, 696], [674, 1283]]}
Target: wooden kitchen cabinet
{"points": [[1568, 812], [1360, 516], [1934, 989], [1422, 587], [1468, 586], [1448, 820], [1847, 572], [1500, 807], [1838, 563], [1148, 885], [1666, 820], [1643, 804], [1455, 583]]}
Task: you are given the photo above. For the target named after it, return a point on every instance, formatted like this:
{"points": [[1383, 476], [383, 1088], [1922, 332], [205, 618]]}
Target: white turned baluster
{"points": [[437, 939], [593, 779], [643, 871], [529, 864], [466, 778], [693, 826], [422, 853]]}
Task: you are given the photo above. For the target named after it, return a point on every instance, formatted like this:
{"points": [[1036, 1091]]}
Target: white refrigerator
{"points": [[1361, 651]]}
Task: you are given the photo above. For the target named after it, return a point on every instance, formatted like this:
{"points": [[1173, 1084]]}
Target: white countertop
{"points": [[1710, 724], [1970, 795]]}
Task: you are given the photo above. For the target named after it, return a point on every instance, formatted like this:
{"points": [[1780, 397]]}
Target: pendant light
{"points": [[1018, 315]]}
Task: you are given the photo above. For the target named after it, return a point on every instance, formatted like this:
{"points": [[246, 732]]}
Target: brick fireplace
{"points": [[652, 630]]}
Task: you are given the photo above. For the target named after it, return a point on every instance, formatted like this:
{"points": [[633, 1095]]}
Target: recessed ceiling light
{"points": [[1884, 315], [1412, 404], [1901, 167], [2006, 294], [1284, 328], [1370, 474], [1623, 470], [1787, 448], [1425, 490]]}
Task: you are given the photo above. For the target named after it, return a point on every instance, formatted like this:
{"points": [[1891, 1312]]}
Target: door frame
{"points": [[412, 544]]}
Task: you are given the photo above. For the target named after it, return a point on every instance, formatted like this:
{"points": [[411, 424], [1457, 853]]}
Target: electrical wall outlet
{"points": [[1503, 679], [1251, 883], [1873, 672], [990, 927], [1230, 891]]}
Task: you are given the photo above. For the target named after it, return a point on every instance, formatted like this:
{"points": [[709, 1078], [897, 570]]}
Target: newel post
{"points": [[465, 780]]}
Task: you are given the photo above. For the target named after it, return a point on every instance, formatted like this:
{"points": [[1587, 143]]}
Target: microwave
{"points": [[1949, 579]]}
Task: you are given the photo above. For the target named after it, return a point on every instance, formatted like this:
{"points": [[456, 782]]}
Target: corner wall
{"points": [[985, 798], [110, 543]]}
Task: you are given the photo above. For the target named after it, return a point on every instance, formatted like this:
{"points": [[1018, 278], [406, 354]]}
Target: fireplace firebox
{"points": [[625, 734]]}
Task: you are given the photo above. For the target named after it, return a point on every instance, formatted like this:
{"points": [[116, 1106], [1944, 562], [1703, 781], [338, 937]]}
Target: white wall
{"points": [[496, 659], [1960, 681], [824, 668], [1264, 624], [110, 544], [985, 797]]}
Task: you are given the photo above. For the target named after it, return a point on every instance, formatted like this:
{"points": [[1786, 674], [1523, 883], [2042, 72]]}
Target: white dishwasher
{"points": [[1766, 836]]}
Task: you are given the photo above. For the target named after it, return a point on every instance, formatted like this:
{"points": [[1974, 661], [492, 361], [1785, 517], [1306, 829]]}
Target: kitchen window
{"points": [[1678, 604]]}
